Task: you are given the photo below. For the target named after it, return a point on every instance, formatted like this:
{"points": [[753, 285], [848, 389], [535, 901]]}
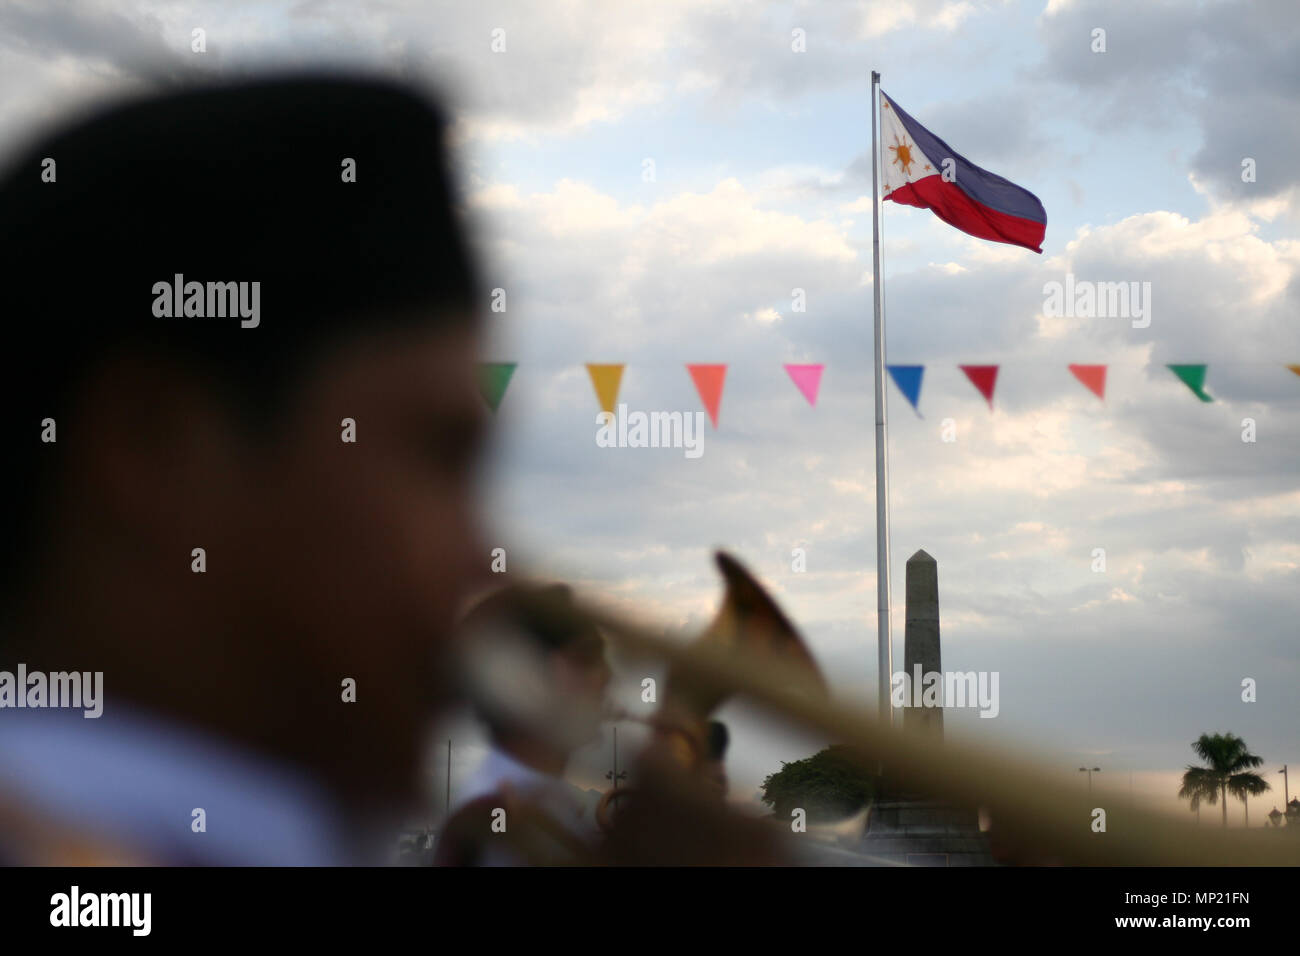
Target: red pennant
{"points": [[708, 382], [1093, 378], [983, 377]]}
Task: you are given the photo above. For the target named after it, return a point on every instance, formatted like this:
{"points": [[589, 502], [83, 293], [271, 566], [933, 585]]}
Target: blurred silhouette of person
{"points": [[540, 689], [715, 758], [241, 385]]}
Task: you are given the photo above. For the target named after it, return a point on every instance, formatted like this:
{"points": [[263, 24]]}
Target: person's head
{"points": [[243, 319], [560, 703]]}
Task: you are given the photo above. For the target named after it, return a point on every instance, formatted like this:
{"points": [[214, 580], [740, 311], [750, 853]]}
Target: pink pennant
{"points": [[807, 378]]}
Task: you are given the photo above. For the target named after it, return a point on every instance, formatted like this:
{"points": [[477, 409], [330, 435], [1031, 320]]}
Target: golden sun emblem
{"points": [[903, 155]]}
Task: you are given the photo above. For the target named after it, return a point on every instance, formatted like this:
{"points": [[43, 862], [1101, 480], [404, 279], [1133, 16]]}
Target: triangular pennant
{"points": [[606, 380], [983, 377], [1193, 376], [708, 382], [1093, 378], [1294, 368], [493, 379], [807, 378], [908, 380]]}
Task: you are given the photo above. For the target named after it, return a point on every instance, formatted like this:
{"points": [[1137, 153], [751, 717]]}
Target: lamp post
{"points": [[614, 775], [1286, 786], [1089, 771]]}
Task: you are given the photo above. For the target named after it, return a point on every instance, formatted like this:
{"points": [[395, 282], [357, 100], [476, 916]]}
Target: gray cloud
{"points": [[1231, 66]]}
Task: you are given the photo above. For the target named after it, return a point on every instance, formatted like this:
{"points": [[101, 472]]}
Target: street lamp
{"points": [[1286, 786], [614, 775], [1089, 771]]}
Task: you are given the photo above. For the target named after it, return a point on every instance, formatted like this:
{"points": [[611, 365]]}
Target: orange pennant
{"points": [[708, 382], [1093, 378], [606, 379], [1294, 368]]}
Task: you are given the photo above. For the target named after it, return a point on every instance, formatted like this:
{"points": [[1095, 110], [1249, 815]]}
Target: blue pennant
{"points": [[908, 380]]}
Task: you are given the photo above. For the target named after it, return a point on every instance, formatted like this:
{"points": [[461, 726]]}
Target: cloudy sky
{"points": [[762, 185]]}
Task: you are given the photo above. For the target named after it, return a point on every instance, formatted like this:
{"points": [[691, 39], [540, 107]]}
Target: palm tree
{"points": [[1227, 772]]}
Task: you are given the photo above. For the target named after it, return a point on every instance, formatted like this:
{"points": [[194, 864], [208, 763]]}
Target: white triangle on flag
{"points": [[901, 158]]}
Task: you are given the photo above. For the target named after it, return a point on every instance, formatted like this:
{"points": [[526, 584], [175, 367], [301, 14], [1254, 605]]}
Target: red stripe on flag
{"points": [[949, 203]]}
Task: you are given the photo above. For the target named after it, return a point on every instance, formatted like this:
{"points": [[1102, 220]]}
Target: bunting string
{"points": [[710, 379]]}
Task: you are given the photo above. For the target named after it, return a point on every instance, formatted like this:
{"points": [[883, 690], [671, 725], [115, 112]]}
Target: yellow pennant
{"points": [[606, 379]]}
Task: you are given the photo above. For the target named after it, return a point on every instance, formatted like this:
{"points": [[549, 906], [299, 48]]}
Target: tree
{"points": [[829, 785], [1228, 772]]}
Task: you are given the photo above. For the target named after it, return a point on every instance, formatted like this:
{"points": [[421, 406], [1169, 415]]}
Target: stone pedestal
{"points": [[924, 833]]}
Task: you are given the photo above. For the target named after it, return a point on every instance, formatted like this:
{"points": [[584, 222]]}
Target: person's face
{"points": [[357, 553], [581, 680]]}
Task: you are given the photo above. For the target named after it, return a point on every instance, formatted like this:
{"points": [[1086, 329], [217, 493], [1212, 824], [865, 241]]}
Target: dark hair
{"points": [[238, 182], [541, 613]]}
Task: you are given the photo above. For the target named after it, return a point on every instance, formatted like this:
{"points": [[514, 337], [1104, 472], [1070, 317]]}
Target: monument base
{"points": [[917, 832]]}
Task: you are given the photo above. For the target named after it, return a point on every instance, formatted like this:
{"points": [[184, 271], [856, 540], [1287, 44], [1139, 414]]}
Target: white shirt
{"points": [[136, 781], [561, 801]]}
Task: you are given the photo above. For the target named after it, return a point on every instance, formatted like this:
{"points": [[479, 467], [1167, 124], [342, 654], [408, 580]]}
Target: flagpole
{"points": [[884, 645]]}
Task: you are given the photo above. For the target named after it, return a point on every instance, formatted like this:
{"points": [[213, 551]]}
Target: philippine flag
{"points": [[922, 170]]}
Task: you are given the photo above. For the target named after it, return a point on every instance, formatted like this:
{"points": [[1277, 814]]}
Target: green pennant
{"points": [[1193, 376], [493, 379]]}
